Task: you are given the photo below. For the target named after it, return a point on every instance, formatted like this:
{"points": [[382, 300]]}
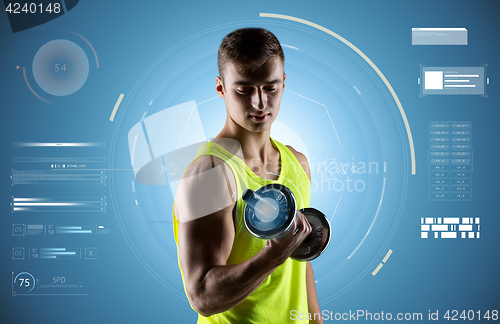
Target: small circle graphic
{"points": [[24, 282], [60, 67]]}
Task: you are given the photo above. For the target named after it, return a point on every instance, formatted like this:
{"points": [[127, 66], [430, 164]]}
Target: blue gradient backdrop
{"points": [[166, 52]]}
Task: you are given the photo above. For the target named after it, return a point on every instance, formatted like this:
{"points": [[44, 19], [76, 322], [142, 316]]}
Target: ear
{"points": [[219, 87], [284, 78]]}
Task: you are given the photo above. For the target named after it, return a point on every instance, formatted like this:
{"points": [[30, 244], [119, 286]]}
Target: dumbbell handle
{"points": [[251, 198]]}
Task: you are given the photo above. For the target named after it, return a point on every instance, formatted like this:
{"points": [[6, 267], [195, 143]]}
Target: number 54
{"points": [[62, 68]]}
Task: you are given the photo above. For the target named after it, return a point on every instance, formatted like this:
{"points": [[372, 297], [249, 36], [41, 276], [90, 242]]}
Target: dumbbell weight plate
{"points": [[317, 242], [285, 200]]}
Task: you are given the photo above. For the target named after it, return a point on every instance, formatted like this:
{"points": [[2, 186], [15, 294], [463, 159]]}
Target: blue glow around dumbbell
{"points": [[269, 211], [265, 209]]}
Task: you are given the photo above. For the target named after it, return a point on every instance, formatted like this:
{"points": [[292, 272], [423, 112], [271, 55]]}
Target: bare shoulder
{"points": [[201, 164], [302, 160], [206, 187], [300, 157]]}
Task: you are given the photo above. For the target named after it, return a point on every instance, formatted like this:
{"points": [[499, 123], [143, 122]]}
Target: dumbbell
{"points": [[270, 212]]}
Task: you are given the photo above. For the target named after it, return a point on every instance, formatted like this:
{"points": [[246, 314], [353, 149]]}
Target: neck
{"points": [[253, 144]]}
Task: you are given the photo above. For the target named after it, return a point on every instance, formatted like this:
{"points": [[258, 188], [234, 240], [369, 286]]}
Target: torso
{"points": [[271, 298], [266, 170], [269, 169]]}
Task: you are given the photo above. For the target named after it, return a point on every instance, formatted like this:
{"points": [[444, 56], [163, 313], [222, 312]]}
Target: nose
{"points": [[259, 100]]}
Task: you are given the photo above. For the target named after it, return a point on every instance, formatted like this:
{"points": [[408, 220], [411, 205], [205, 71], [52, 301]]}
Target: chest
{"points": [[269, 169]]}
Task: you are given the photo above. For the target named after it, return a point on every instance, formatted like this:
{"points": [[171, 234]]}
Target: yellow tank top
{"points": [[284, 289]]}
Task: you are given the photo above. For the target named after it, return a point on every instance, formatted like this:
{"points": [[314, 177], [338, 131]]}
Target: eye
{"points": [[243, 90], [270, 89]]}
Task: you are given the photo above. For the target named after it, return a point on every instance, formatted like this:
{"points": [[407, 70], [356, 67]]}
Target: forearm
{"points": [[312, 299], [223, 287]]}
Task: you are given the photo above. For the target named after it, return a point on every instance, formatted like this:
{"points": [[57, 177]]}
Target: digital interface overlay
{"points": [[394, 105]]}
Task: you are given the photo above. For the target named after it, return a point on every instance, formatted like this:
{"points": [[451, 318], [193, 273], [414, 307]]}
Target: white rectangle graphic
{"points": [[465, 228], [439, 36], [439, 228], [453, 80], [449, 235], [433, 80]]}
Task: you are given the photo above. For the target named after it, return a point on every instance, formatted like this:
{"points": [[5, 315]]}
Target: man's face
{"points": [[253, 99]]}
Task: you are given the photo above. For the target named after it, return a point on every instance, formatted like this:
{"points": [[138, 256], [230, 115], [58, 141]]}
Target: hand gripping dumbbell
{"points": [[271, 211]]}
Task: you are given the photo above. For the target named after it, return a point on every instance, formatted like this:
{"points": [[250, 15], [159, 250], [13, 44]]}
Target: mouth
{"points": [[259, 118]]}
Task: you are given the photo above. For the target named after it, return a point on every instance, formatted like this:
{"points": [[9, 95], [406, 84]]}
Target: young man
{"points": [[229, 275]]}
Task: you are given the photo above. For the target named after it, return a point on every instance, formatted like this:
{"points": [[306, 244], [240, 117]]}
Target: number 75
{"points": [[25, 281]]}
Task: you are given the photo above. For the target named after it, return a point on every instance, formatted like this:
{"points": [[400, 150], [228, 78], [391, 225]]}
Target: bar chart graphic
{"points": [[75, 230], [55, 253], [59, 177], [450, 227], [469, 80], [450, 161], [58, 204]]}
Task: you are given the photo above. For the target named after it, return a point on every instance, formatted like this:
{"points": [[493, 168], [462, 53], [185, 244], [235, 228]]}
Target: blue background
{"points": [[129, 37]]}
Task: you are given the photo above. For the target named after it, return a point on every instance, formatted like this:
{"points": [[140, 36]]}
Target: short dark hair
{"points": [[249, 49]]}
